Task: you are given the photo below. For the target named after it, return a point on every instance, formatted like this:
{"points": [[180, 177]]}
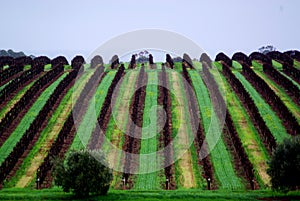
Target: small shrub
{"points": [[285, 165], [83, 173]]}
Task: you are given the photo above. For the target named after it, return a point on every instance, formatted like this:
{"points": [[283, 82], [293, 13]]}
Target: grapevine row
{"points": [[34, 128], [132, 141], [27, 100], [283, 81], [96, 139], [200, 137], [166, 133], [230, 129], [67, 132], [249, 104], [289, 121]]}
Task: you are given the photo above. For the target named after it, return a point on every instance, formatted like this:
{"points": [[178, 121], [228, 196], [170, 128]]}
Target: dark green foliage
{"points": [[266, 49], [83, 173], [11, 53], [285, 165], [177, 59], [142, 59]]}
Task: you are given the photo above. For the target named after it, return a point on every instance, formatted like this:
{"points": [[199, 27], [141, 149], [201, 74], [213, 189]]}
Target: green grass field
{"points": [[187, 195]]}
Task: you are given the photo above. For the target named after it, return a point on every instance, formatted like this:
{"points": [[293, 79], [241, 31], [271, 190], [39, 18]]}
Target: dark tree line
{"points": [[195, 118], [229, 129], [68, 126], [253, 112], [288, 120], [294, 54], [34, 128], [283, 81]]}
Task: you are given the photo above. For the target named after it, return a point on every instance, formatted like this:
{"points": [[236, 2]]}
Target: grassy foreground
{"points": [[193, 194]]}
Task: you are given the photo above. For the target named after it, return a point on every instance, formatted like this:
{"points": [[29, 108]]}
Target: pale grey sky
{"points": [[69, 27]]}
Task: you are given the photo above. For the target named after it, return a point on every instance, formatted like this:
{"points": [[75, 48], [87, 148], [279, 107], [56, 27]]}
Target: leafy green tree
{"points": [[83, 173], [285, 165]]}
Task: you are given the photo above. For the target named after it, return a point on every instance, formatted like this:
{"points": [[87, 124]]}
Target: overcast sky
{"points": [[69, 27]]}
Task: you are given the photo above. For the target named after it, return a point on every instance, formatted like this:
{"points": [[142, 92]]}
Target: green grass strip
{"points": [[17, 134], [220, 156], [177, 66], [56, 194], [150, 180], [272, 120], [257, 65], [276, 64], [236, 65], [47, 67], [88, 123], [197, 65], [296, 64], [4, 85]]}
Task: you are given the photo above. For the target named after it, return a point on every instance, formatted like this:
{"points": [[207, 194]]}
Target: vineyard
{"points": [[175, 125]]}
